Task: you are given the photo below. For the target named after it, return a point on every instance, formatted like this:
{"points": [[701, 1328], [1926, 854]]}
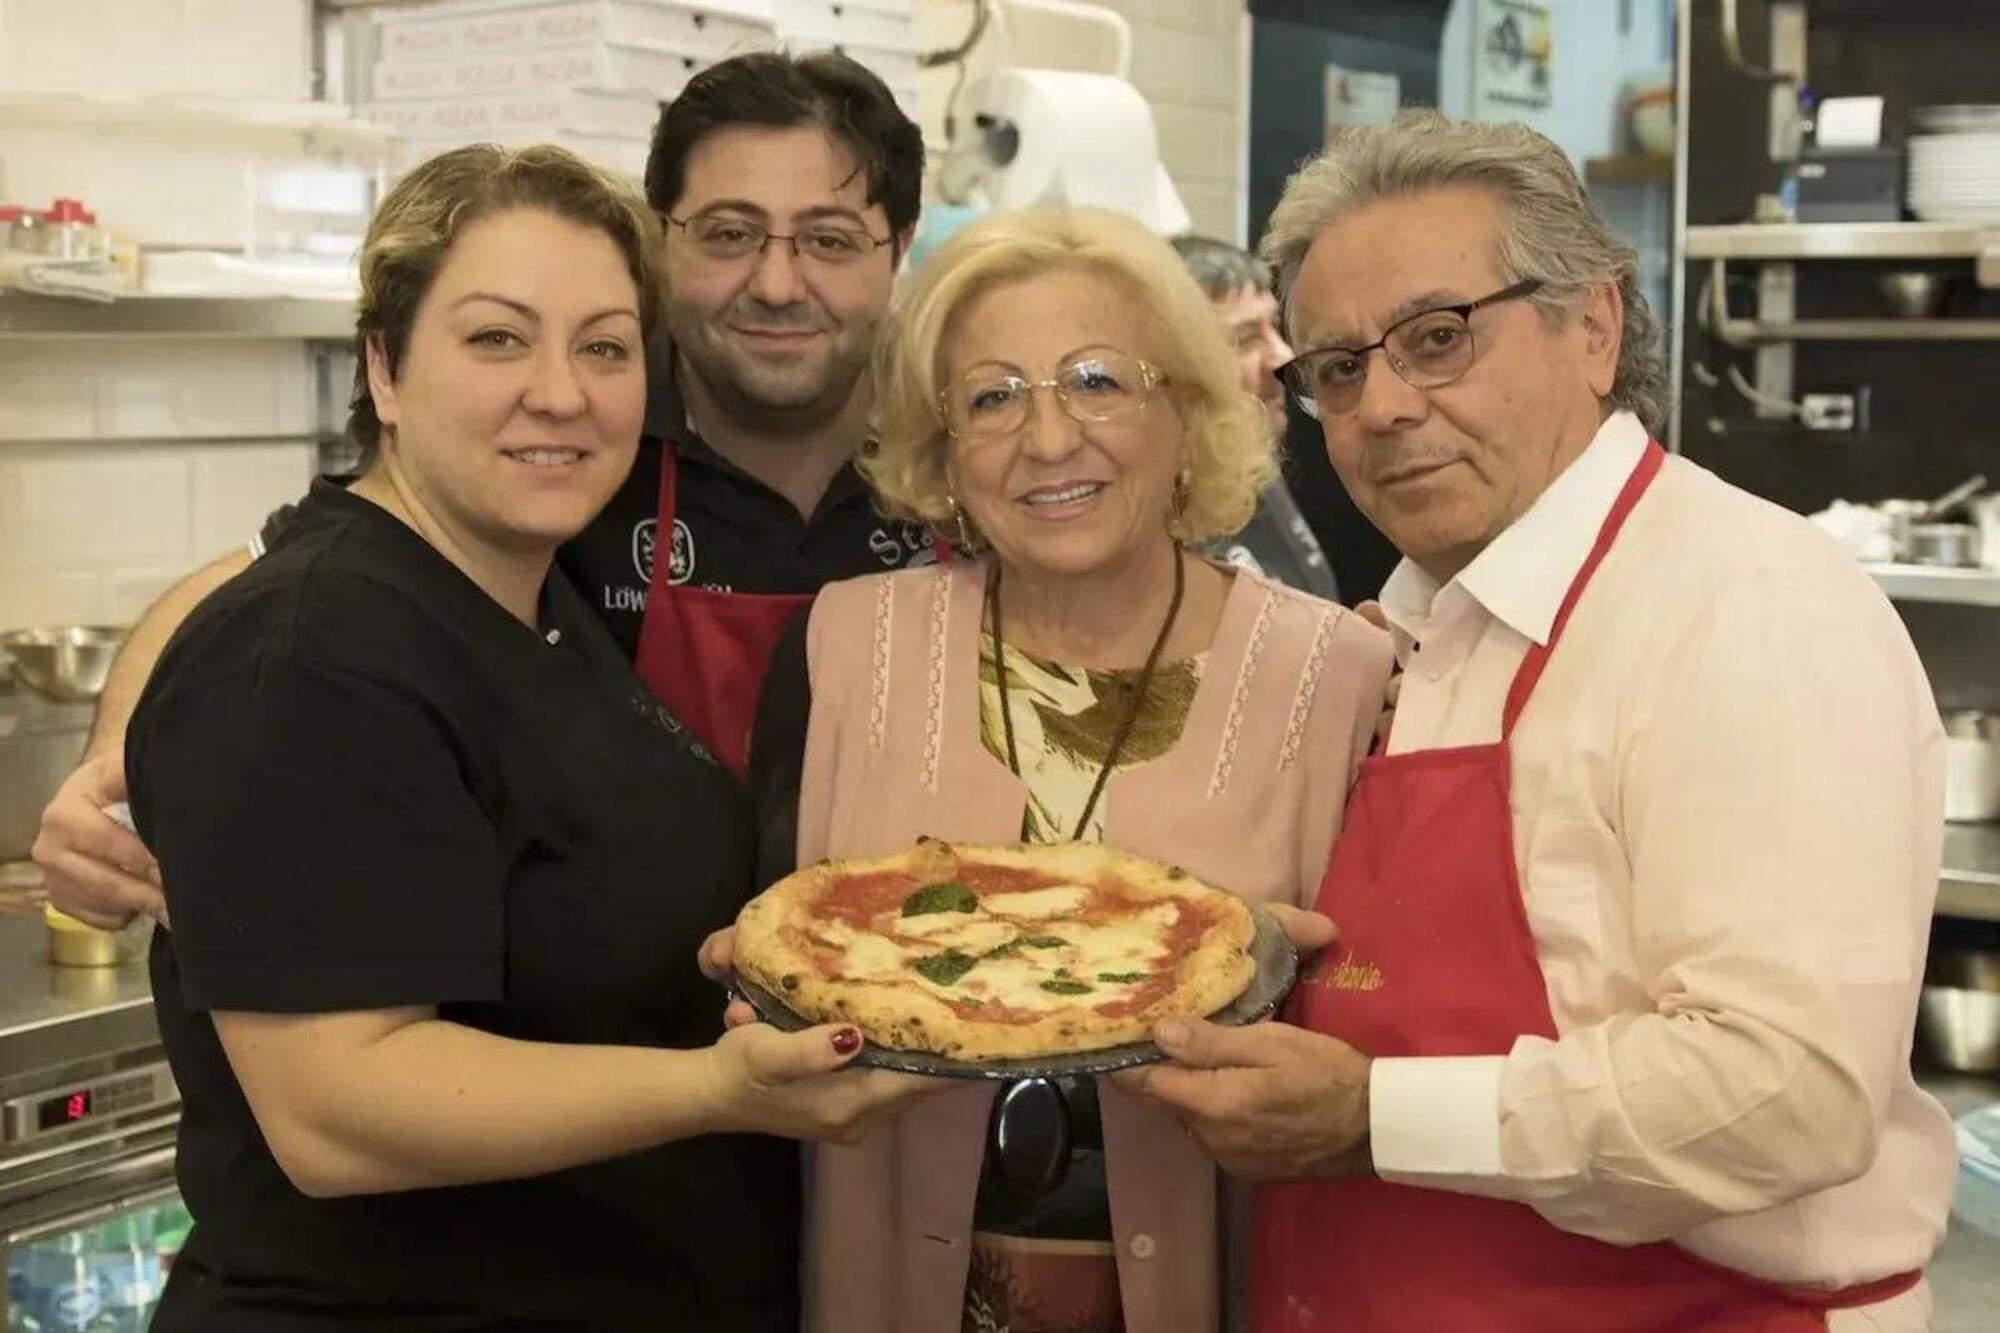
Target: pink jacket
{"points": [[1249, 799]]}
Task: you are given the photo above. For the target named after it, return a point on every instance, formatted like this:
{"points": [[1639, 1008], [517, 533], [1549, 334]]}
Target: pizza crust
{"points": [[1088, 905]]}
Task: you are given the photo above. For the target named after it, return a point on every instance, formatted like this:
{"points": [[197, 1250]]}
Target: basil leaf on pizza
{"points": [[945, 968], [990, 953], [940, 898]]}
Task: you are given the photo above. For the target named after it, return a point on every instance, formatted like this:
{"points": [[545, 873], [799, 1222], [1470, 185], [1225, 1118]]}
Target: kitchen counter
{"points": [[50, 1015], [1965, 1272]]}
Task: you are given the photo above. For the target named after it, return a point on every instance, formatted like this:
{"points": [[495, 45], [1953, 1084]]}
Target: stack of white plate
{"points": [[1955, 164]]}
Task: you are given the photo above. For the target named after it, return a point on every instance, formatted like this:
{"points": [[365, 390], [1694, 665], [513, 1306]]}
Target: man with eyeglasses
{"points": [[1633, 910], [790, 186]]}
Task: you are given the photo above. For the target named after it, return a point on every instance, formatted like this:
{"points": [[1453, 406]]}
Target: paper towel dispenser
{"points": [[1063, 137]]}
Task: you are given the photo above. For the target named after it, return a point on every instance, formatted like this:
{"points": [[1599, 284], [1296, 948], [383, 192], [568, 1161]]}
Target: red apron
{"points": [[704, 653], [1436, 958]]}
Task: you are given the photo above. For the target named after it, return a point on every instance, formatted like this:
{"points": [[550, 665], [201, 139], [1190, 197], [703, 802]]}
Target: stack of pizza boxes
{"points": [[587, 74]]}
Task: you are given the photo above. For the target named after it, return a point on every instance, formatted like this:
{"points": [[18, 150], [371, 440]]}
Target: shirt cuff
{"points": [[1434, 1122]]}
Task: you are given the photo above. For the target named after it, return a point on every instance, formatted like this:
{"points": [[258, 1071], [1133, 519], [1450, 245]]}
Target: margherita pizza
{"points": [[991, 953]]}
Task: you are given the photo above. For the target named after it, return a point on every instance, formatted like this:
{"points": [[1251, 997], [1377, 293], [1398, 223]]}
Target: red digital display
{"points": [[67, 1108]]}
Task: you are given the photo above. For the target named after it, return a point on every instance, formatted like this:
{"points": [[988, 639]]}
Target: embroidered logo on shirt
{"points": [[642, 548], [901, 546], [680, 558]]}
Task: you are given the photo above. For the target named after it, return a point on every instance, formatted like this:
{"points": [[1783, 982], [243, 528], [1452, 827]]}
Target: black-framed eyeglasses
{"points": [[1096, 384], [723, 236], [1428, 350]]}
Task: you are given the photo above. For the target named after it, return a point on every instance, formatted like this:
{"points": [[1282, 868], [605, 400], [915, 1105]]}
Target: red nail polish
{"points": [[846, 1041]]}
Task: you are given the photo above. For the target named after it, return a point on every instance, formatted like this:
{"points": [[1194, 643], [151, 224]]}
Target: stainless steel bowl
{"points": [[67, 663], [1953, 545], [1912, 294], [1958, 1013]]}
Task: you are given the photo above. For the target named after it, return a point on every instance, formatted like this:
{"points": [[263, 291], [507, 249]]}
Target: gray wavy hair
{"points": [[1553, 231]]}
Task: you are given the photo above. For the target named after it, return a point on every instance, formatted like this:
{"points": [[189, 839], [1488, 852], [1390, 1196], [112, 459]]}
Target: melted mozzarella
{"points": [[1061, 900], [958, 930]]}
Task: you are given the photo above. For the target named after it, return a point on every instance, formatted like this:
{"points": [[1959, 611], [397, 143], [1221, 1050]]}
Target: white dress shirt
{"points": [[1727, 811]]}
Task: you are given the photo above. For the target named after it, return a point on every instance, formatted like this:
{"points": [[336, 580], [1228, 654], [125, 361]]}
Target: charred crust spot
{"points": [[1175, 872], [790, 981]]}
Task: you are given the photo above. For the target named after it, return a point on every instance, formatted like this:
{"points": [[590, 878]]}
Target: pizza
{"points": [[991, 953]]}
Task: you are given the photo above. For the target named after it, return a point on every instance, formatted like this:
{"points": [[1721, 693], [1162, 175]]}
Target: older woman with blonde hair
{"points": [[1057, 400]]}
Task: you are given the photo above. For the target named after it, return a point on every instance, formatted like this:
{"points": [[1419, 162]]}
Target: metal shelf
{"points": [[320, 127], [1741, 332], [26, 315], [1928, 583], [1842, 240], [1969, 883]]}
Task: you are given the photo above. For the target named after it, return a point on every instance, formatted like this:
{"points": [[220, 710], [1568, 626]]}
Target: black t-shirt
{"points": [[369, 786]]}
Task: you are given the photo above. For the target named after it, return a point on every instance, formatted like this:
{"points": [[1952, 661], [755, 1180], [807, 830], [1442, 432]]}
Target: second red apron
{"points": [[1436, 959], [704, 653]]}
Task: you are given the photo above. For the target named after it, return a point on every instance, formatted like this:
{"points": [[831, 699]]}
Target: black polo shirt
{"points": [[369, 786], [730, 532]]}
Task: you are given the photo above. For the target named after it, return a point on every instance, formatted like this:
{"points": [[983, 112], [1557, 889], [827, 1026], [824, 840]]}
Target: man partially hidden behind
{"points": [[1278, 541]]}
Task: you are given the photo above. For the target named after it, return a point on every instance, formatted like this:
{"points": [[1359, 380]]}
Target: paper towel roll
{"points": [[1082, 139]]}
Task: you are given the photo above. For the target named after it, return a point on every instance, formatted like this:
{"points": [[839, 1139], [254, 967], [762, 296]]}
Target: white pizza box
{"points": [[624, 154], [710, 29], [531, 111], [843, 22], [658, 70]]}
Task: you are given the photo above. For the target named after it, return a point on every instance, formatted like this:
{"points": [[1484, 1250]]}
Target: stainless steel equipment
{"points": [[67, 663], [1906, 516], [1952, 545], [1958, 1013], [88, 1113], [1971, 767]]}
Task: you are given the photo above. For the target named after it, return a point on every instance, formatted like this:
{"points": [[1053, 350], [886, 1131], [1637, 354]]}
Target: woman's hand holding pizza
{"points": [[797, 1085]]}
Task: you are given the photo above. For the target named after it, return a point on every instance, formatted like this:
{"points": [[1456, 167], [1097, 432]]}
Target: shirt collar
{"points": [[1523, 574]]}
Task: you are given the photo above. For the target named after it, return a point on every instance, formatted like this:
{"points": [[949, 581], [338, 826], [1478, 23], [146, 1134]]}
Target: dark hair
{"points": [[777, 89], [417, 222], [1222, 269]]}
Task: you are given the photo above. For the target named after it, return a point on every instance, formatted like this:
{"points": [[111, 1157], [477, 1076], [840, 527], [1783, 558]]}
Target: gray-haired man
{"points": [[1633, 911]]}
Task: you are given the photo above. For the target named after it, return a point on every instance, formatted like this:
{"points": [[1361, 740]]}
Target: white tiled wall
{"points": [[153, 388], [138, 48], [1187, 59], [126, 462], [92, 532]]}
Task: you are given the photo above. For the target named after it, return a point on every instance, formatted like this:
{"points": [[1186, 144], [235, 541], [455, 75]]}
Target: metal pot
{"points": [[67, 663], [1905, 516], [1958, 1013], [1986, 515], [1949, 544], [1972, 767]]}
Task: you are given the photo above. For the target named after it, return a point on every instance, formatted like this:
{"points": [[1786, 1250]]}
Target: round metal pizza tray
{"points": [[1277, 968]]}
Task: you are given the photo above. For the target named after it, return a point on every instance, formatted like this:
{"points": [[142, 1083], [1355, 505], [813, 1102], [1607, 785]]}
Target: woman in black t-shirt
{"points": [[438, 869]]}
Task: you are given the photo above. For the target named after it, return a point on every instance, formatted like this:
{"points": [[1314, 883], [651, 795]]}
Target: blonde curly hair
{"points": [[1230, 452]]}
